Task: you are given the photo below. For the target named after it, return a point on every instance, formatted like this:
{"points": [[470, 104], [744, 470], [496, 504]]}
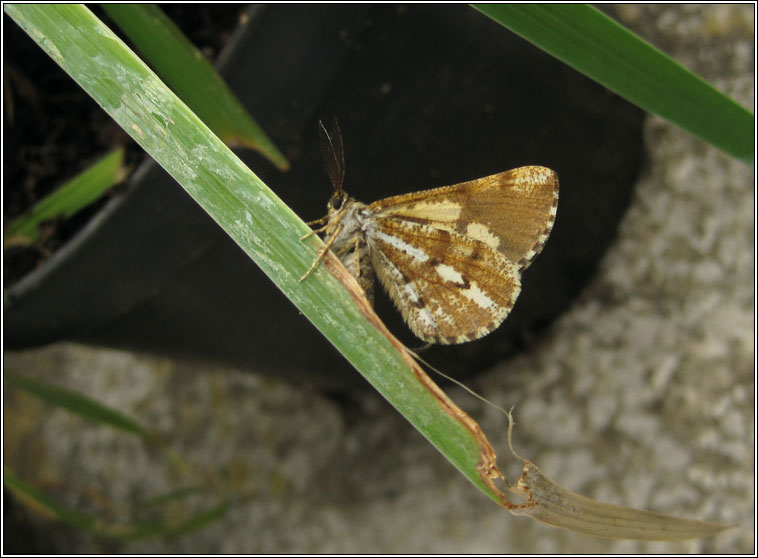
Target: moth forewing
{"points": [[512, 212]]}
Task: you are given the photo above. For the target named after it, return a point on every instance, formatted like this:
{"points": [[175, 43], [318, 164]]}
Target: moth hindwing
{"points": [[450, 258]]}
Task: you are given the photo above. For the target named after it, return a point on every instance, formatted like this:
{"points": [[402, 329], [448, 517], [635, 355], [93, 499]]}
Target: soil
{"points": [[54, 130]]}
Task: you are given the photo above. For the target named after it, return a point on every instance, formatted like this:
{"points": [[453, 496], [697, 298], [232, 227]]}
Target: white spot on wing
{"points": [[444, 211], [449, 273], [413, 251], [424, 316], [480, 232], [411, 292], [477, 295], [527, 181]]}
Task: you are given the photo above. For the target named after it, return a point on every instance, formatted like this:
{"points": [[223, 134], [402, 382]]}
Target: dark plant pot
{"points": [[426, 96]]}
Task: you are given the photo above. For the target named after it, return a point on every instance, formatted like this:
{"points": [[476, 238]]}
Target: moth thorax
{"points": [[347, 222], [350, 245]]}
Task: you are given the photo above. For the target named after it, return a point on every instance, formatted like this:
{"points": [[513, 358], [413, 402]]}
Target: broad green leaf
{"points": [[595, 45], [191, 76], [65, 201]]}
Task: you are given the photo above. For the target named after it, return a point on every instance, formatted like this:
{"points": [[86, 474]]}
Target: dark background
{"points": [[426, 96]]}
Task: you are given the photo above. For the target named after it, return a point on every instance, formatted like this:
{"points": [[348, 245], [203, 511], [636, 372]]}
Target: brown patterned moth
{"points": [[450, 258]]}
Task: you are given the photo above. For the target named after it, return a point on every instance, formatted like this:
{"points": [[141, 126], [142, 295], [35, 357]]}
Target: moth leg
{"points": [[316, 231], [318, 221], [355, 264], [346, 248], [360, 267], [322, 251], [357, 258]]}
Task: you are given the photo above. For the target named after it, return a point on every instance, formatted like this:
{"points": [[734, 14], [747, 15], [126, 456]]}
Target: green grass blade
{"points": [[197, 521], [78, 404], [249, 212], [141, 530], [595, 45], [191, 76], [170, 497], [137, 530], [71, 197], [38, 501]]}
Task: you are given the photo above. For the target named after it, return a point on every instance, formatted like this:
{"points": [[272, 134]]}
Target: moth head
{"points": [[337, 201]]}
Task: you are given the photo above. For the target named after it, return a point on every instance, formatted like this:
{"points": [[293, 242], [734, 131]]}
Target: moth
{"points": [[450, 258]]}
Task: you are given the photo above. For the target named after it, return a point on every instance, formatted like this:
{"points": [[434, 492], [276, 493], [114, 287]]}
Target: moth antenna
{"points": [[334, 154]]}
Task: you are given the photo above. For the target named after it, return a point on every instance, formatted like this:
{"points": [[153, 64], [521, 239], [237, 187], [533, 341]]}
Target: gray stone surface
{"points": [[642, 394]]}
